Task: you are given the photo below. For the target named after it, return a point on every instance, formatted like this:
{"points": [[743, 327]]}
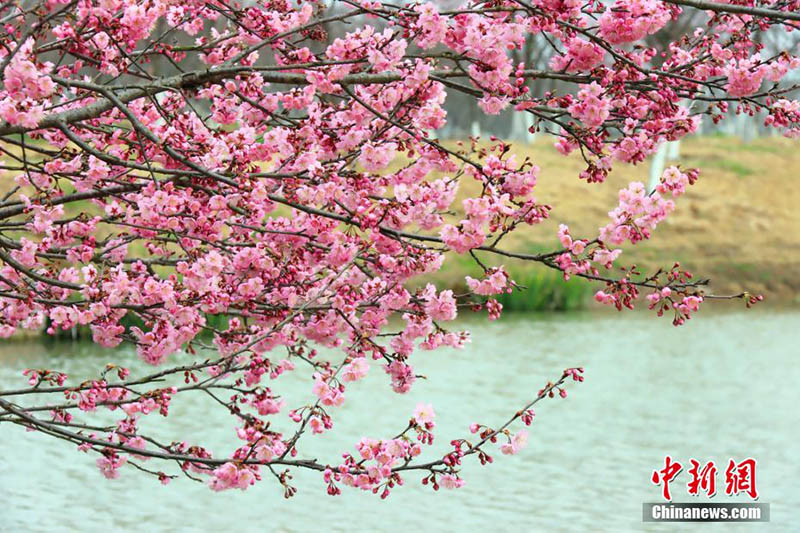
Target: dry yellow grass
{"points": [[739, 224]]}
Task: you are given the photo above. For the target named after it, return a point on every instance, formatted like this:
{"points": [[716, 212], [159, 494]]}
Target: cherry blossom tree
{"points": [[241, 196]]}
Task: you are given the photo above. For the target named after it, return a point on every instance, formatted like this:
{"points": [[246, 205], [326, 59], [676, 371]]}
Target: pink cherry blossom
{"points": [[241, 194], [441, 306], [515, 443], [494, 283], [591, 107], [424, 415]]}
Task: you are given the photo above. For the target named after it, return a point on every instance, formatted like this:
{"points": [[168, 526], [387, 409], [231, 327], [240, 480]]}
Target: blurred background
{"points": [[720, 387], [738, 225]]}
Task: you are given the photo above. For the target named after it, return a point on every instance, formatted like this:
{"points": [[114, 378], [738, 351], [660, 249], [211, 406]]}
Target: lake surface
{"points": [[725, 385]]}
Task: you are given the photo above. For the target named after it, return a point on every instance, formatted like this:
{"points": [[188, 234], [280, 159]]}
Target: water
{"points": [[724, 385]]}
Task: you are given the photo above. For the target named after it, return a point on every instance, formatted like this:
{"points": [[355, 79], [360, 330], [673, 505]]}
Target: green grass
{"points": [[729, 165], [542, 288], [545, 290], [760, 147]]}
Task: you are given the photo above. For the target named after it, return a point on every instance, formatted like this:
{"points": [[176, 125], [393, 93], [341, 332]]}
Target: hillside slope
{"points": [[738, 225]]}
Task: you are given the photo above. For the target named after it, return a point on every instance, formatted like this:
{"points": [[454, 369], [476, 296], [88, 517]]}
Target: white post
{"points": [[519, 127], [674, 150], [475, 129], [657, 167]]}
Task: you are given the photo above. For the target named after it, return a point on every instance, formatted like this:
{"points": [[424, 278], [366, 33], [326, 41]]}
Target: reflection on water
{"points": [[722, 386]]}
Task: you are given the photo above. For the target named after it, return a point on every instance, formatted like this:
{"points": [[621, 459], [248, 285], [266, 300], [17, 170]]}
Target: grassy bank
{"points": [[546, 290], [739, 225], [540, 288]]}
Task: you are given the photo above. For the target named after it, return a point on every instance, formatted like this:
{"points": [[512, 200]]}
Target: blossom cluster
{"points": [[242, 191]]}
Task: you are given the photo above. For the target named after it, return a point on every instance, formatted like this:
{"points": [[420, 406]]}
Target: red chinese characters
{"points": [[704, 478], [741, 477], [666, 475]]}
